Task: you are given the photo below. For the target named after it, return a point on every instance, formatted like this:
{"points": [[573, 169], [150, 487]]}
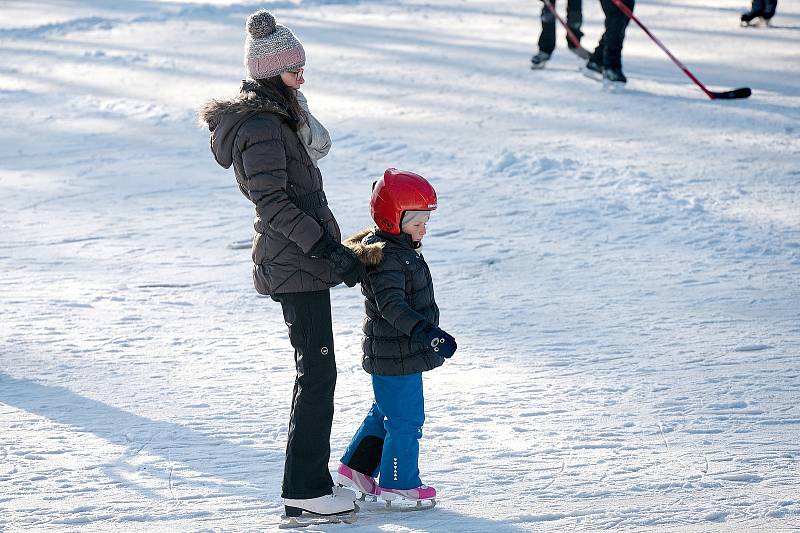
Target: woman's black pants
{"points": [[308, 316]]}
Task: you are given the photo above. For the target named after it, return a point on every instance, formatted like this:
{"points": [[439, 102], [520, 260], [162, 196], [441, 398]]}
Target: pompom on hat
{"points": [[270, 48]]}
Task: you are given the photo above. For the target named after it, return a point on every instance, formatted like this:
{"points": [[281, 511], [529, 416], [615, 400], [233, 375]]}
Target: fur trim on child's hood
{"points": [[371, 254]]}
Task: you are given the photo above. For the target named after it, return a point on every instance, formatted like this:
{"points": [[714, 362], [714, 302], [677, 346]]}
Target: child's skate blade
{"points": [[396, 502], [404, 505]]}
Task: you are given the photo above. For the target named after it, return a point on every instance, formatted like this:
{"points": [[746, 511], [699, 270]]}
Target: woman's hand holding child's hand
{"points": [[345, 262]]}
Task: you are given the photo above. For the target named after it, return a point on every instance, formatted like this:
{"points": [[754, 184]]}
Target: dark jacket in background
{"points": [[399, 293], [256, 134]]}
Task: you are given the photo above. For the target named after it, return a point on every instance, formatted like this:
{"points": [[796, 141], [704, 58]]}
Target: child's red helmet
{"points": [[395, 193]]}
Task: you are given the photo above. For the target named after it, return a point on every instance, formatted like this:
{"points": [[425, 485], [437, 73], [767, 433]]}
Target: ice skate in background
{"points": [[760, 14]]}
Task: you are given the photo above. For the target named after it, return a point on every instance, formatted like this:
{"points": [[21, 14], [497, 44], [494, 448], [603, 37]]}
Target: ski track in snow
{"points": [[621, 271]]}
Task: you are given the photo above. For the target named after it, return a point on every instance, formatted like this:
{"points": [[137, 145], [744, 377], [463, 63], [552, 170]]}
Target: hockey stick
{"points": [[742, 92], [573, 39]]}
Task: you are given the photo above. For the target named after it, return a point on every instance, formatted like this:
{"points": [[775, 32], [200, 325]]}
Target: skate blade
{"points": [[591, 74], [404, 505], [539, 66], [613, 86], [311, 519]]}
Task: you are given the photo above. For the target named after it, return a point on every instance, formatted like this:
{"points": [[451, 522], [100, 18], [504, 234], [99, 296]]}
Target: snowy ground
{"points": [[622, 271]]}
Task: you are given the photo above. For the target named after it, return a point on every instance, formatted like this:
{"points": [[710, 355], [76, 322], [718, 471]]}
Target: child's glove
{"points": [[439, 340], [345, 262]]}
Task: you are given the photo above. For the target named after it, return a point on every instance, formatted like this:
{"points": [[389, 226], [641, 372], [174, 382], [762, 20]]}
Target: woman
{"points": [[273, 143]]}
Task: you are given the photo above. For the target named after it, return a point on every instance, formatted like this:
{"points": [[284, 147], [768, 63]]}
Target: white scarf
{"points": [[313, 135]]}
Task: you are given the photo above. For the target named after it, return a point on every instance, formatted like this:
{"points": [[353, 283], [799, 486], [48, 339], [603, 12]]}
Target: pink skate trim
{"points": [[361, 482], [422, 492]]}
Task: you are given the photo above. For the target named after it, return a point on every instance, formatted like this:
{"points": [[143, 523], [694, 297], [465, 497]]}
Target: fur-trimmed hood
{"points": [[370, 253], [368, 245], [224, 117]]}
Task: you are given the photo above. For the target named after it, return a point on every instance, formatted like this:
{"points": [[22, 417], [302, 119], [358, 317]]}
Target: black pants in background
{"points": [[609, 51], [547, 39], [767, 7], [308, 316]]}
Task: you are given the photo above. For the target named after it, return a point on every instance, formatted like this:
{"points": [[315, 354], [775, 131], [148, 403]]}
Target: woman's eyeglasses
{"points": [[298, 74]]}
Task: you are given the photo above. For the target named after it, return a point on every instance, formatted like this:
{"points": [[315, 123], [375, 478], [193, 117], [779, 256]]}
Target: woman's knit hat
{"points": [[270, 48]]}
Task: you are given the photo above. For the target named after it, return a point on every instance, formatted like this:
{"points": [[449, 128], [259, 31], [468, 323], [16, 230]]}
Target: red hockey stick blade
{"points": [[743, 92]]}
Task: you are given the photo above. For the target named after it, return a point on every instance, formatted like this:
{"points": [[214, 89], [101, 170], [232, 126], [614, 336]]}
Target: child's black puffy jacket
{"points": [[399, 293]]}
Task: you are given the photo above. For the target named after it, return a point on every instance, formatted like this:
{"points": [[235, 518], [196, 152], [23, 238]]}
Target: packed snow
{"points": [[621, 271]]}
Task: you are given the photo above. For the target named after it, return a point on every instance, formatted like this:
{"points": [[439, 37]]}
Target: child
{"points": [[401, 340]]}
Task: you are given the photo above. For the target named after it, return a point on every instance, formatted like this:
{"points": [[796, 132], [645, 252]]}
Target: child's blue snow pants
{"points": [[387, 443]]}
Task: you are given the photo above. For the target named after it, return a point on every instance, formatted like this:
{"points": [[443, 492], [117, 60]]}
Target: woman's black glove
{"points": [[439, 340], [345, 262]]}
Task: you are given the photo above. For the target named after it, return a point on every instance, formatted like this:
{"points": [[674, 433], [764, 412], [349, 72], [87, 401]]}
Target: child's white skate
{"points": [[419, 499], [329, 509], [366, 485]]}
